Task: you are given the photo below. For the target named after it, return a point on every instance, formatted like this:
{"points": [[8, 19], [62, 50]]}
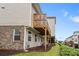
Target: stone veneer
{"points": [[6, 38]]}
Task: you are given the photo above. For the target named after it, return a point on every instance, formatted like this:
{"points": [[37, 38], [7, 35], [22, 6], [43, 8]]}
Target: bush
{"points": [[68, 51]]}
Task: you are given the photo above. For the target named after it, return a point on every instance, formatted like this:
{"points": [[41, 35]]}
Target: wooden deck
{"points": [[40, 23]]}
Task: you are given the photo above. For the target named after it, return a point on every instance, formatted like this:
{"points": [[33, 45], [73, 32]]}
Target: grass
{"points": [[54, 51]]}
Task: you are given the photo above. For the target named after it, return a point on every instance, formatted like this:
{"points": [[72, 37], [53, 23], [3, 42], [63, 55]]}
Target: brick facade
{"points": [[6, 38]]}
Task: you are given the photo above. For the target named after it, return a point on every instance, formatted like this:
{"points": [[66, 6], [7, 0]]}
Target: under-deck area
{"points": [[40, 23]]}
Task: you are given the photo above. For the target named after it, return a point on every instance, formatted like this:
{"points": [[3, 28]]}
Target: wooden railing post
{"points": [[45, 39], [50, 39]]}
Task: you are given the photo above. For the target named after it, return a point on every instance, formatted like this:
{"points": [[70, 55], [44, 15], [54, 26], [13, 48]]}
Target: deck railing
{"points": [[39, 20]]}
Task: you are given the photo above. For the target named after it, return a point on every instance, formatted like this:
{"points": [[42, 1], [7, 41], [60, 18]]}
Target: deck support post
{"points": [[45, 39], [50, 39]]}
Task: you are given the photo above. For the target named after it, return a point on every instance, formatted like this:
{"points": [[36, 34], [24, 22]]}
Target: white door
{"points": [[27, 45], [28, 39]]}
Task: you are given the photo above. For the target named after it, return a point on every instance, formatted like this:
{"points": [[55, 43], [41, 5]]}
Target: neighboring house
{"points": [[73, 40], [23, 26], [52, 22], [76, 39], [69, 41]]}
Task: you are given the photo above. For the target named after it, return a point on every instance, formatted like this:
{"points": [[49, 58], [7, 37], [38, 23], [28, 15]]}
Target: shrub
{"points": [[68, 51]]}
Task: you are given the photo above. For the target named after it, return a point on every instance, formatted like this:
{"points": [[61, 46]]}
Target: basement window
{"points": [[75, 40], [16, 34]]}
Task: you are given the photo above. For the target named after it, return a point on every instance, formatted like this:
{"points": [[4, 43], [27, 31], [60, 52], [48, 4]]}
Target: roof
{"points": [[50, 17], [37, 7], [76, 32], [32, 29], [68, 37]]}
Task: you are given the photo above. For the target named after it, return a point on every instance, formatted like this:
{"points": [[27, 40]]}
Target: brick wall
{"points": [[6, 38]]}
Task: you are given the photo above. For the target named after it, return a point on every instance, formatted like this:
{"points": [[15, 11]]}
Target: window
{"points": [[75, 40], [41, 39], [17, 35], [35, 38], [75, 35], [29, 36]]}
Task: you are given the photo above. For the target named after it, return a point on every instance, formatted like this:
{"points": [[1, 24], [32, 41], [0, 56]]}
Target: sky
{"points": [[67, 18]]}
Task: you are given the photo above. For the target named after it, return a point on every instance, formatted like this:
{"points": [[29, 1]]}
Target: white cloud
{"points": [[65, 13], [75, 19]]}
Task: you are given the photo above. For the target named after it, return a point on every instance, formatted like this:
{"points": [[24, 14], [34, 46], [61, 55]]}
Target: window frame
{"points": [[14, 34], [36, 38], [29, 35]]}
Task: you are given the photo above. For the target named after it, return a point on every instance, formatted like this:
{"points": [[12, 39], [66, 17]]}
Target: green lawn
{"points": [[54, 51]]}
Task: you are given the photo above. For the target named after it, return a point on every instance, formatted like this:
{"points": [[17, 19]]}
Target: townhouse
{"points": [[23, 26], [52, 21], [76, 39], [69, 41], [73, 40]]}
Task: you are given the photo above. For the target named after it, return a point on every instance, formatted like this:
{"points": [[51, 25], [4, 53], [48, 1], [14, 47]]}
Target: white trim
{"points": [[31, 14], [32, 30], [24, 37], [13, 34]]}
